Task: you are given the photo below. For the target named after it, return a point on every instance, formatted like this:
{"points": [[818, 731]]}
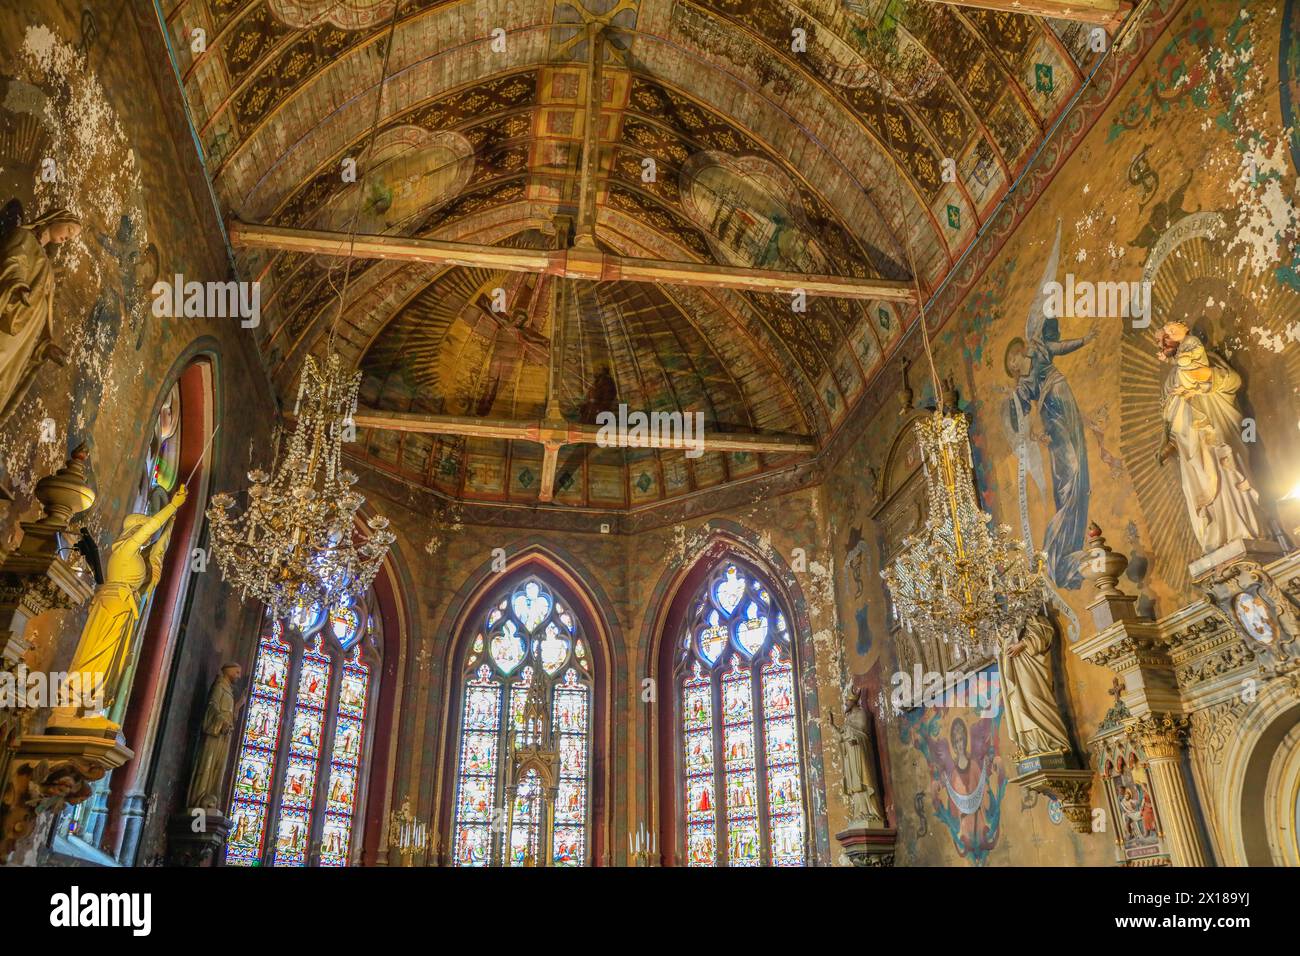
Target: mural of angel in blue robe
{"points": [[1030, 362]]}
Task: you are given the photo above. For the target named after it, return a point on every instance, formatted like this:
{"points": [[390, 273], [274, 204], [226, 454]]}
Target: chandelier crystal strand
{"points": [[296, 544], [959, 580]]}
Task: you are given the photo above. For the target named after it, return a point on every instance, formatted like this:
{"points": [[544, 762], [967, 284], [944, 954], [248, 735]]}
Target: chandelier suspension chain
{"points": [[361, 193]]}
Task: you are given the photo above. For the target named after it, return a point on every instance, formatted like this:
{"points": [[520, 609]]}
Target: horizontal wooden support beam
{"points": [[553, 434], [589, 264], [1107, 13]]}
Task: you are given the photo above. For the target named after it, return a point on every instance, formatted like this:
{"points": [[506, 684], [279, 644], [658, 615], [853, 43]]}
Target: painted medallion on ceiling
{"points": [[410, 172], [750, 212], [345, 14]]}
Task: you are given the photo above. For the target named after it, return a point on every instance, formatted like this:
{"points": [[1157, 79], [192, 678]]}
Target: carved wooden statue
{"points": [[27, 301], [214, 742], [129, 578], [1026, 668], [858, 751]]}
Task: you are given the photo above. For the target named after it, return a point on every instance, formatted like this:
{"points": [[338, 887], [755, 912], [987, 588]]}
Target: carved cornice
{"points": [[34, 595], [1210, 630], [1125, 645], [1233, 656]]}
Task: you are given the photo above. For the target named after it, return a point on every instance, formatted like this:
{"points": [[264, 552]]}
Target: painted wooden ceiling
{"points": [[822, 159]]}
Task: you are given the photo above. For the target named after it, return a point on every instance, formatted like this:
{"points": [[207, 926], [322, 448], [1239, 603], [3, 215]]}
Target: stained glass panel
{"points": [[255, 769], [570, 719], [751, 633], [476, 789], [537, 639], [531, 606], [508, 647], [298, 795], [346, 625], [755, 792], [518, 698], [701, 814], [526, 821], [554, 649], [729, 590], [305, 618], [741, 774], [784, 778], [345, 770], [713, 639]]}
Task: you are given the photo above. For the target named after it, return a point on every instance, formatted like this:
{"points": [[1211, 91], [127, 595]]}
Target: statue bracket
{"points": [[868, 846], [1071, 788], [47, 773], [195, 837]]}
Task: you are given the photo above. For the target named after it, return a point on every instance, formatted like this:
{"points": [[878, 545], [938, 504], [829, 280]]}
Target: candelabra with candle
{"points": [[407, 834], [643, 847]]}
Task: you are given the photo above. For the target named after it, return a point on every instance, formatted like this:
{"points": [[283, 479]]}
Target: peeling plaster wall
{"points": [[1187, 177], [94, 93]]}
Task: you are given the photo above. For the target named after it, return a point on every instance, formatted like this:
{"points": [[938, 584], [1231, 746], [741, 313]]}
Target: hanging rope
{"points": [[361, 193], [911, 265]]}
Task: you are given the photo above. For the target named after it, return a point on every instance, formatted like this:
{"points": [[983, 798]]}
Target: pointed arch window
{"points": [[298, 779], [524, 757], [742, 781]]}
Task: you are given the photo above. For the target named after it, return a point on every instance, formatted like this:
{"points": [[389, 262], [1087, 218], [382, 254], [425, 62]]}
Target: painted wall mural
{"points": [[1041, 387], [967, 781]]}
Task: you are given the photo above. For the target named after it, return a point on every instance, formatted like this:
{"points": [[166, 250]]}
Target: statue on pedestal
{"points": [[214, 743], [27, 301], [858, 751], [1026, 668], [1203, 430], [129, 579]]}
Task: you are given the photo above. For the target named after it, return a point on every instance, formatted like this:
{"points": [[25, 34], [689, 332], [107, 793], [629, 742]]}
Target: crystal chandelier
{"points": [[297, 544], [960, 579]]}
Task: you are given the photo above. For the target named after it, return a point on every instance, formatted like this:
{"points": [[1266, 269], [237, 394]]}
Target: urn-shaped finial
{"points": [[65, 493], [1099, 564]]}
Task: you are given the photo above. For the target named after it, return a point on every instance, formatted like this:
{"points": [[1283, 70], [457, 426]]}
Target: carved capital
{"points": [[1161, 735]]}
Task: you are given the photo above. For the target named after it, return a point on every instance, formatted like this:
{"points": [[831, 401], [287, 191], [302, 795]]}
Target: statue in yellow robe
{"points": [[27, 301], [129, 579]]}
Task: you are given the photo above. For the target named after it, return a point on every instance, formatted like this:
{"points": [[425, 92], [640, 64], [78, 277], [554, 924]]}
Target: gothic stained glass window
{"points": [[298, 779], [742, 781], [529, 646], [253, 772]]}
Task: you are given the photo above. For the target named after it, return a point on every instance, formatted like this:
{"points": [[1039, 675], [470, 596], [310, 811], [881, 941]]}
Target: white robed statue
{"points": [[1203, 428], [858, 752], [1026, 668], [27, 301]]}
